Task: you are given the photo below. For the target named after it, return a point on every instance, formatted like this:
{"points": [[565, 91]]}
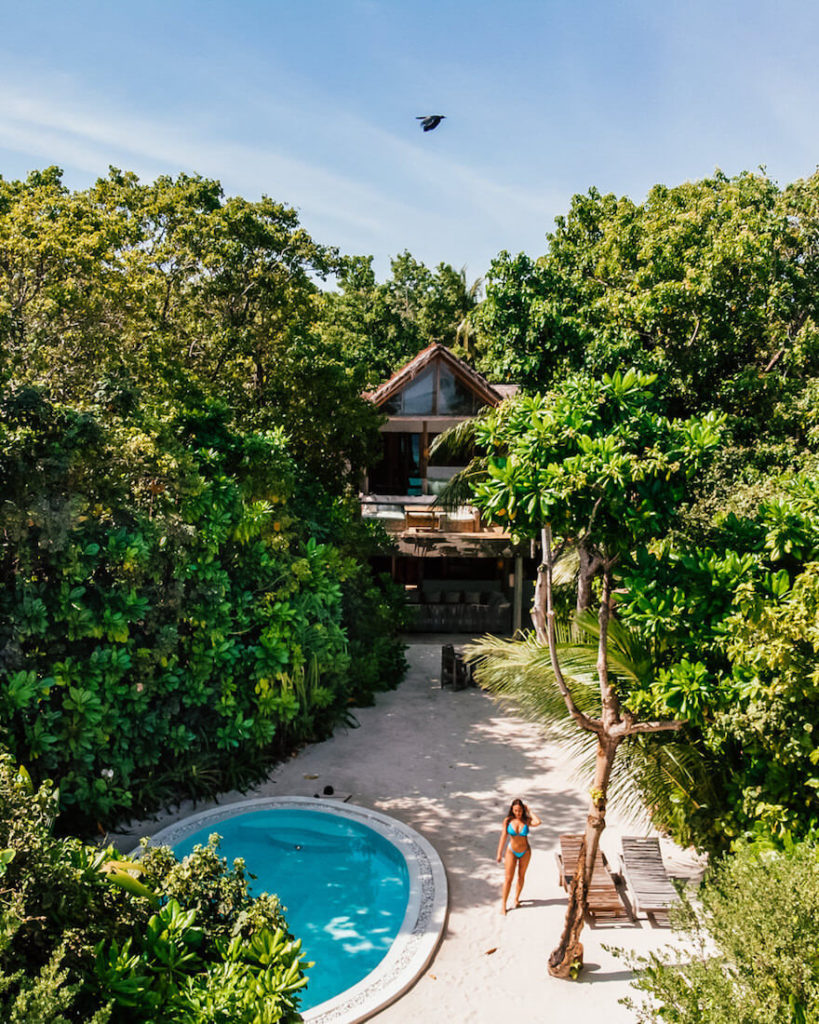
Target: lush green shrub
{"points": [[733, 628], [89, 936], [745, 949], [160, 596]]}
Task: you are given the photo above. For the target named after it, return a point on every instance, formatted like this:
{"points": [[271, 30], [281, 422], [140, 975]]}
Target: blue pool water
{"points": [[344, 887]]}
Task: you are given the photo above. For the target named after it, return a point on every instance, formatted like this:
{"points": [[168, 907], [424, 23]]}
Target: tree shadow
{"points": [[598, 974]]}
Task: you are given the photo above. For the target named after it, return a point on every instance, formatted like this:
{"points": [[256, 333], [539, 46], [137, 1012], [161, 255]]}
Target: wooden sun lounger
{"points": [[646, 876], [603, 899]]}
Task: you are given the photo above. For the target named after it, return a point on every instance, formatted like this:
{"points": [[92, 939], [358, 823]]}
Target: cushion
{"points": [[432, 597], [473, 597], [413, 596], [495, 598], [452, 597]]}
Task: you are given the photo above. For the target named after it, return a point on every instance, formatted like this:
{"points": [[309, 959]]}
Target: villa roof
{"points": [[401, 378], [506, 390]]}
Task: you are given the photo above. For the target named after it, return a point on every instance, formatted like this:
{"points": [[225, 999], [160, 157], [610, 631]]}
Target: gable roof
{"points": [[401, 378]]}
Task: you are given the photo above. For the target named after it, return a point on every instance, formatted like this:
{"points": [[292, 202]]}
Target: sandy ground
{"points": [[448, 764]]}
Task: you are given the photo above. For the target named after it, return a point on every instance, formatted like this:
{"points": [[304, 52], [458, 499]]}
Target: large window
{"points": [[454, 397], [418, 398], [435, 392]]}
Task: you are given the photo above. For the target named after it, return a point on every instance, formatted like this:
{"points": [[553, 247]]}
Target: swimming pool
{"points": [[343, 886], [365, 893]]}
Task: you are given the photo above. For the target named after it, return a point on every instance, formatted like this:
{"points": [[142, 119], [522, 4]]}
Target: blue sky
{"points": [[314, 104]]}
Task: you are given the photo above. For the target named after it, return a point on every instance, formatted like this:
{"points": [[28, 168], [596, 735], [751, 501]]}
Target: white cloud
{"points": [[402, 196]]}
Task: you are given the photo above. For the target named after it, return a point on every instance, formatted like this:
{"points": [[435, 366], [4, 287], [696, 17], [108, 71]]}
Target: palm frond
{"points": [[566, 568], [457, 491], [520, 669], [519, 672], [629, 658], [669, 776], [656, 772], [456, 440]]}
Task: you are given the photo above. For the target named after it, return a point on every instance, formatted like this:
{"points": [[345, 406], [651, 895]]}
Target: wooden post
{"points": [[517, 622], [423, 457]]}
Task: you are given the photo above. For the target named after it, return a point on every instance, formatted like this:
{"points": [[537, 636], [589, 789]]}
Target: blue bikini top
{"points": [[510, 830]]}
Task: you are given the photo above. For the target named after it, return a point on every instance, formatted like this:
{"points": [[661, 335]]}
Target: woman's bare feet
{"points": [[503, 910]]}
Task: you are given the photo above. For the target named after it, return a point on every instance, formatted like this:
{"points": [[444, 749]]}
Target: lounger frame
{"points": [[603, 899], [645, 875]]}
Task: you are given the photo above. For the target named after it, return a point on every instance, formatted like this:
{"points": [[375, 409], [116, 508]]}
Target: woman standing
{"points": [[515, 830]]}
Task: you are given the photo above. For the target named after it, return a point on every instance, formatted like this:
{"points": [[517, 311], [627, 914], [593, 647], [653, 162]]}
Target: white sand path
{"points": [[448, 764]]}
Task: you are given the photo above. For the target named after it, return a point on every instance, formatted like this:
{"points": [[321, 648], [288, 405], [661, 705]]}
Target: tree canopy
{"points": [[381, 326], [171, 291], [710, 284], [181, 568]]}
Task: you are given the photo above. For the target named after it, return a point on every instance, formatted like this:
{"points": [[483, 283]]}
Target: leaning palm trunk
{"points": [[611, 728]]}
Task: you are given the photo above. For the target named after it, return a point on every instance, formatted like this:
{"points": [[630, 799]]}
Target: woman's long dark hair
{"points": [[524, 818]]}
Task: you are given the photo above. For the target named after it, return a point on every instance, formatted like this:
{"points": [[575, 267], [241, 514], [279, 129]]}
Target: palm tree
{"points": [[471, 300], [662, 776]]}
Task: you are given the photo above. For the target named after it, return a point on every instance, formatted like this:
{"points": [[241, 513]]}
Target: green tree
{"points": [[381, 326], [597, 466], [732, 628], [522, 334], [710, 284], [173, 290]]}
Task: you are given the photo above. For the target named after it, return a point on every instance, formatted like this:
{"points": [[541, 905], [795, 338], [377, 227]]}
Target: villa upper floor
{"points": [[431, 393]]}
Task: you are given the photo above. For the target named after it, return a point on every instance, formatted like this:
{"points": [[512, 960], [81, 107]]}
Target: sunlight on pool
{"points": [[344, 887]]}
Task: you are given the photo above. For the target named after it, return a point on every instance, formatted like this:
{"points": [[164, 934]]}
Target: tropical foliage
{"points": [[381, 326], [159, 597], [746, 948], [182, 572], [733, 628], [596, 465], [710, 284], [711, 287], [88, 935]]}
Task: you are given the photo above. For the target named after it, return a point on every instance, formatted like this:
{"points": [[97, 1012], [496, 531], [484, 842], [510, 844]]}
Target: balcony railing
{"points": [[421, 515]]}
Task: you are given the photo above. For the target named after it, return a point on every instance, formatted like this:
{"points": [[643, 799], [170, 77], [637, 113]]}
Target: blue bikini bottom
{"points": [[521, 854]]}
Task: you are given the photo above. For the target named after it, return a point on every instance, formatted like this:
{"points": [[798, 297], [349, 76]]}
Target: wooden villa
{"points": [[463, 574]]}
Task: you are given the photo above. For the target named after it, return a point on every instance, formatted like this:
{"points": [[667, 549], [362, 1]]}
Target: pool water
{"points": [[343, 886]]}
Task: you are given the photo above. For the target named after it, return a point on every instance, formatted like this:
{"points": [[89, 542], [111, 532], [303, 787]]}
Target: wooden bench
{"points": [[603, 899]]}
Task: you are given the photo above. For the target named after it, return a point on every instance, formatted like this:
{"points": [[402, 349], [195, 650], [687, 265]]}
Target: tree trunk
{"points": [[589, 567], [569, 952], [611, 729]]}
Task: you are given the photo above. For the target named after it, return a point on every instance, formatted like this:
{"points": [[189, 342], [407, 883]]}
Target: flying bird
{"points": [[430, 121]]}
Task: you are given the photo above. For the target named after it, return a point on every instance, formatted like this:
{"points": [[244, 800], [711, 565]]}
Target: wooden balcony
{"points": [[420, 514], [418, 525]]}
